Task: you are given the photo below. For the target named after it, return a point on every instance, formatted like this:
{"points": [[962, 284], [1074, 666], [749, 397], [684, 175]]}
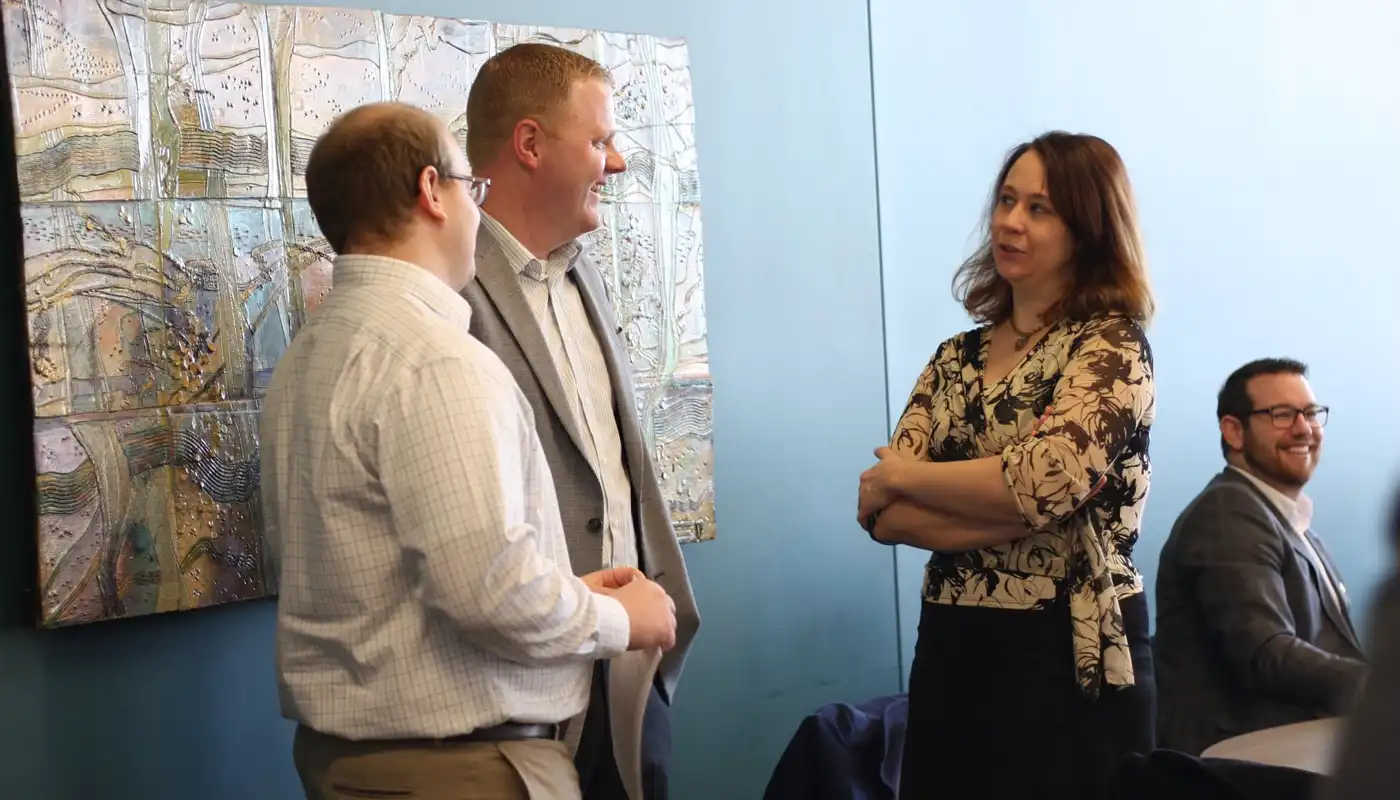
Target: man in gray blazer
{"points": [[540, 128], [1253, 623]]}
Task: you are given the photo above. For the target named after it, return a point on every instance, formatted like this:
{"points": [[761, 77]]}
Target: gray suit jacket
{"points": [[1247, 635], [501, 319], [1368, 767]]}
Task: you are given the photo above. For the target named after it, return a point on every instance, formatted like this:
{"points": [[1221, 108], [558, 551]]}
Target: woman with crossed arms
{"points": [[1021, 463]]}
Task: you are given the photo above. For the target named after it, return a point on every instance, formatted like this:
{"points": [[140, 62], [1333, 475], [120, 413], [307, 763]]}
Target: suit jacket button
{"points": [[595, 525]]}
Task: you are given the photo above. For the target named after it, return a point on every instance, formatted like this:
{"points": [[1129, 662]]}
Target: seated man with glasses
{"points": [[1253, 624]]}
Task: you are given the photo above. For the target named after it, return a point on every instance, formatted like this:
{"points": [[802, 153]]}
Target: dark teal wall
{"points": [[798, 606]]}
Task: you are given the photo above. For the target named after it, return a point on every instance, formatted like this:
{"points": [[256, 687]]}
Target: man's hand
{"points": [[607, 581], [651, 613]]}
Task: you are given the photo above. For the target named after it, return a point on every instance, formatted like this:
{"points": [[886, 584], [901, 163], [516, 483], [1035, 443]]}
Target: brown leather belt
{"points": [[508, 732]]}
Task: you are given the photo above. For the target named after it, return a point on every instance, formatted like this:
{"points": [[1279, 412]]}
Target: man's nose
{"points": [[615, 163], [1301, 426]]}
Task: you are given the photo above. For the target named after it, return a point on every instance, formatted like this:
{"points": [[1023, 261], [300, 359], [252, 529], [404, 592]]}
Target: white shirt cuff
{"points": [[614, 627]]}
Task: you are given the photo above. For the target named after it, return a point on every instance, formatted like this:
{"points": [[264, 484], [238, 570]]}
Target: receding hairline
{"points": [[381, 148], [370, 116], [373, 120]]}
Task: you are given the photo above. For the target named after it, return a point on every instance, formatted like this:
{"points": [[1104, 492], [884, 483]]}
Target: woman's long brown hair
{"points": [[1089, 187]]}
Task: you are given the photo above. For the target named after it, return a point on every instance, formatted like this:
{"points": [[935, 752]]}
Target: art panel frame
{"points": [[170, 257]]}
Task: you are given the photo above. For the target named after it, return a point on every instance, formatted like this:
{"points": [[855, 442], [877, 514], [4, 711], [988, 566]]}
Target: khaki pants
{"points": [[332, 768]]}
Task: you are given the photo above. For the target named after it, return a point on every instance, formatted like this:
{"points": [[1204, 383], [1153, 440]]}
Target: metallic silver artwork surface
{"points": [[170, 256]]}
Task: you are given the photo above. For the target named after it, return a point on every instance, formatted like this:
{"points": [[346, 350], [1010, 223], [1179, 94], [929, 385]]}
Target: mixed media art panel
{"points": [[171, 256]]}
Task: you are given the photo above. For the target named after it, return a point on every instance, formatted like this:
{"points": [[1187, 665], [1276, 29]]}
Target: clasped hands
{"points": [[877, 485], [651, 613]]}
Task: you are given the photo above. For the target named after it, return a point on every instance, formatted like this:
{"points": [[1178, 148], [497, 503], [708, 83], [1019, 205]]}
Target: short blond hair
{"points": [[362, 175], [530, 80]]}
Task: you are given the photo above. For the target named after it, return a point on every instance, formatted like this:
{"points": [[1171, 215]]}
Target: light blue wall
{"points": [[1261, 136], [798, 606]]}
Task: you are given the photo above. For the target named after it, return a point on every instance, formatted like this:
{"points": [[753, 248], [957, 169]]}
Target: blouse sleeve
{"points": [[911, 434], [1101, 401]]}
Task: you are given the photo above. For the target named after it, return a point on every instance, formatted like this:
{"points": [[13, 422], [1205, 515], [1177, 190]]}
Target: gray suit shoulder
{"points": [[1228, 520], [1230, 498]]}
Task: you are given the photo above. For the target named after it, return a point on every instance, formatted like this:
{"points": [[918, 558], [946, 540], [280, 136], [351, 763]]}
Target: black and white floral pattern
{"points": [[1070, 423]]}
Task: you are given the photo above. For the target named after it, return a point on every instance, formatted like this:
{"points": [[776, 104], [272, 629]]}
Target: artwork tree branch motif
{"points": [[170, 257]]}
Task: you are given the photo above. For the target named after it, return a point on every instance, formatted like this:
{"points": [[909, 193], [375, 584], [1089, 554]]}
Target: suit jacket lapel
{"points": [[1329, 573], [502, 285]]}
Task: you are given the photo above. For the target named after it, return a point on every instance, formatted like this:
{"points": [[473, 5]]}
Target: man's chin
{"points": [[1278, 474], [1294, 479], [590, 222]]}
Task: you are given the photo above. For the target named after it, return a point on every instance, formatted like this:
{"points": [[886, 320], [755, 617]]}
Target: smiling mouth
{"points": [[1010, 250], [598, 188], [1299, 449]]}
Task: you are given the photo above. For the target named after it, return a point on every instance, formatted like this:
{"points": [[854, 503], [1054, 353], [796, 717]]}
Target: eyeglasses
{"points": [[1283, 415], [478, 188]]}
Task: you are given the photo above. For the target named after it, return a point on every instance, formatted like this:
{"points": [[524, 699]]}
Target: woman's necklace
{"points": [[1022, 337]]}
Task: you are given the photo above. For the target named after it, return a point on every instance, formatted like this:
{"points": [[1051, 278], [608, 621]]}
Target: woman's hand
{"points": [[877, 483]]}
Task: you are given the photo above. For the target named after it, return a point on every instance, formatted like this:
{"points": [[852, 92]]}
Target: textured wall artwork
{"points": [[170, 256]]}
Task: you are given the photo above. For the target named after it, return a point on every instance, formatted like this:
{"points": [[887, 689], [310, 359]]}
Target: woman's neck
{"points": [[1031, 310]]}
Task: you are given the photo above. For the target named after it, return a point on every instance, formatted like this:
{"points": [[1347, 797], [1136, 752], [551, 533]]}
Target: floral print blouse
{"points": [[1070, 423]]}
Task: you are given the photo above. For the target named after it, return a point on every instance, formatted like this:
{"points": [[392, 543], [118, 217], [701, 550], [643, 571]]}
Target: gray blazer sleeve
{"points": [[1234, 556]]}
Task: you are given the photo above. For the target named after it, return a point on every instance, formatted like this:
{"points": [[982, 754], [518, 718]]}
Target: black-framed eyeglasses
{"points": [[478, 188], [1283, 415]]}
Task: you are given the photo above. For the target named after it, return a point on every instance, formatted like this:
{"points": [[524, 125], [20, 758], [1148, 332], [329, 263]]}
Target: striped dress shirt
{"points": [[557, 306], [425, 586], [555, 302]]}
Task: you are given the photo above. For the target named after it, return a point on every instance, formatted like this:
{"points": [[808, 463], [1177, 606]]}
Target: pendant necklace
{"points": [[1022, 337]]}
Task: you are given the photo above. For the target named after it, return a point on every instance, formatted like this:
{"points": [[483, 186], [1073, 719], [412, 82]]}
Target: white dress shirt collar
{"points": [[1298, 512], [522, 260], [357, 269]]}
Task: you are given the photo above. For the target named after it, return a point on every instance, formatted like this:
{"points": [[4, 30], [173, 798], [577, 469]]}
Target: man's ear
{"points": [[430, 185], [1232, 431], [525, 143]]}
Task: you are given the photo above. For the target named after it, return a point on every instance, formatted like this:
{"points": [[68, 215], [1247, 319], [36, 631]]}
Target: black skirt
{"points": [[995, 712]]}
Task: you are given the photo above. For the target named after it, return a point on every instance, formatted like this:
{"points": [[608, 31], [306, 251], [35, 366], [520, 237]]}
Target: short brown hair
{"points": [[362, 175], [1234, 400], [1088, 185], [530, 80]]}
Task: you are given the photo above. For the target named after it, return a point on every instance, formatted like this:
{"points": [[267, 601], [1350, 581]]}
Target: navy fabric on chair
{"points": [[844, 752]]}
